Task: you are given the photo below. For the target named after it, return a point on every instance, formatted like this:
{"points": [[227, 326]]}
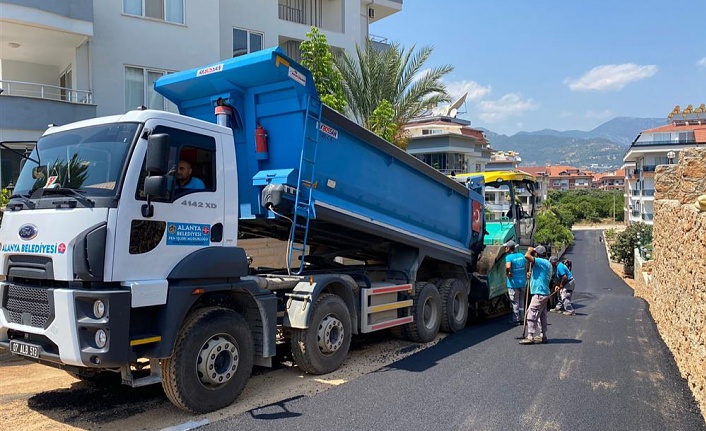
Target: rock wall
{"points": [[676, 290]]}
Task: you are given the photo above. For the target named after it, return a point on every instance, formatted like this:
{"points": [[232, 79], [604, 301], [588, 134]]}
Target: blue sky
{"points": [[562, 64]]}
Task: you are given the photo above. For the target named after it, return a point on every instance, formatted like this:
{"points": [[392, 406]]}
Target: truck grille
{"points": [[32, 303]]}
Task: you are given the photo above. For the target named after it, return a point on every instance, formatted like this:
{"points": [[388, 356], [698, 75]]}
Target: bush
{"points": [[623, 248], [4, 199]]}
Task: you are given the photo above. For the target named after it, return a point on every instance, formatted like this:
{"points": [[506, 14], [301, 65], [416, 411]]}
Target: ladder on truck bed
{"points": [[304, 204]]}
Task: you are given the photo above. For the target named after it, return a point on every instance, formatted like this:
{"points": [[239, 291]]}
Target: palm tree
{"points": [[393, 75]]}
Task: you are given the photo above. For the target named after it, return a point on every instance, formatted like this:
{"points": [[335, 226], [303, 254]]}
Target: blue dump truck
{"points": [[120, 251]]}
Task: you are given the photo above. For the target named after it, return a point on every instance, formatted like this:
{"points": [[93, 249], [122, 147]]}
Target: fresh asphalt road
{"points": [[604, 369]]}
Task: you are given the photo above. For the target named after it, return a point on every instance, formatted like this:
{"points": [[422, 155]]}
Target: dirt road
{"points": [[35, 397]]}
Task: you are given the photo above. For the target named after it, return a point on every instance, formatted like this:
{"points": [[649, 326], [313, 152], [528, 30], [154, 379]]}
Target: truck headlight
{"points": [[98, 309], [101, 338]]}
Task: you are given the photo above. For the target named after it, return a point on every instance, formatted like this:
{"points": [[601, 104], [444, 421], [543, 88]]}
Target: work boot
{"points": [[555, 310], [528, 340], [540, 339]]}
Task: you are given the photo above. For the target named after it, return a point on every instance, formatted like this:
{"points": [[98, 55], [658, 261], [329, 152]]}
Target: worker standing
{"points": [[516, 279], [564, 285], [539, 288]]}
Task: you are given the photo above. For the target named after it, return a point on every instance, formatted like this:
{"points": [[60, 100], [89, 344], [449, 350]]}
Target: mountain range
{"points": [[600, 148]]}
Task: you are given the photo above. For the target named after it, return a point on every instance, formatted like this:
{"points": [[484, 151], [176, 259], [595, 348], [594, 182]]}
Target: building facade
{"points": [[658, 146], [561, 177], [448, 144], [68, 60]]}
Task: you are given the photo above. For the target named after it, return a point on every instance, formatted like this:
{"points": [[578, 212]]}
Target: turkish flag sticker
{"points": [[477, 216]]}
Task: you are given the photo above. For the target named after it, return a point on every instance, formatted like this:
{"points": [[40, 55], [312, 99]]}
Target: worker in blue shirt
{"points": [[564, 285], [184, 178], [516, 279], [539, 288]]}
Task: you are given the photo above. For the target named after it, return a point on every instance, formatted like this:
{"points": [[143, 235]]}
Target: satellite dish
{"points": [[457, 104]]}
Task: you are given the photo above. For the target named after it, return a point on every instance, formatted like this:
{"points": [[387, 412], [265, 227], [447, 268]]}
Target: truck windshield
{"points": [[88, 159]]}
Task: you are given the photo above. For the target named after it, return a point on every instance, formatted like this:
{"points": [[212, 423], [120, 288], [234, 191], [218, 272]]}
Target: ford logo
{"points": [[28, 232]]}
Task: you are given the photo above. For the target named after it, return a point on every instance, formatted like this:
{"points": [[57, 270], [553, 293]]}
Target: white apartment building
{"points": [[658, 146], [68, 60]]}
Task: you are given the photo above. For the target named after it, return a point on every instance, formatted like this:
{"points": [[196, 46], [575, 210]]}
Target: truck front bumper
{"points": [[59, 326]]}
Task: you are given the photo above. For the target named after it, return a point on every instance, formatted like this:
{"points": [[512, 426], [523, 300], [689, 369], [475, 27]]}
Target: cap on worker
{"points": [[540, 250], [553, 259], [510, 244]]}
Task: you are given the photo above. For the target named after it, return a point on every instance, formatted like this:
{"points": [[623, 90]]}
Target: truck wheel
{"points": [[323, 346], [454, 305], [427, 313], [211, 363]]}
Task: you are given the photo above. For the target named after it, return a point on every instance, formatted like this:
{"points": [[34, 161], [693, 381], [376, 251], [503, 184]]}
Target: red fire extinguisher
{"points": [[261, 151]]}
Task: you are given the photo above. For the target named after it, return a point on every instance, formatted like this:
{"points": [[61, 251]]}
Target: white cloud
{"points": [[475, 90], [599, 115], [510, 105], [611, 77], [421, 74], [565, 114], [702, 63]]}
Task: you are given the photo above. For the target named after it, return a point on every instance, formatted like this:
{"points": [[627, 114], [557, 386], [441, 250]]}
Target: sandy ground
{"points": [[35, 397]]}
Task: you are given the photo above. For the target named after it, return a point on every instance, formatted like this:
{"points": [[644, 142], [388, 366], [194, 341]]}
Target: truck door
{"points": [[190, 218]]}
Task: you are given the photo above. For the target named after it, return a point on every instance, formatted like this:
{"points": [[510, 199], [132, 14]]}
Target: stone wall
{"points": [[676, 290], [265, 252]]}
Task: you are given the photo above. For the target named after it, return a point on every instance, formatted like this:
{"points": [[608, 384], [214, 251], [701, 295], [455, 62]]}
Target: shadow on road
{"points": [[450, 345], [276, 410]]}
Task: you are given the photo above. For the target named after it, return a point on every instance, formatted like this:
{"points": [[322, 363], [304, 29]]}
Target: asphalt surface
{"points": [[604, 369]]}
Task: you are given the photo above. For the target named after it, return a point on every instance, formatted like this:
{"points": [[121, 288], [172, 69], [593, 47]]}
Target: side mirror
{"points": [[156, 186], [157, 159]]}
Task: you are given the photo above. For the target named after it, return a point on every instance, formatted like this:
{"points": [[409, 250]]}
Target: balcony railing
{"points": [[648, 217], [635, 213], [649, 168], [672, 142], [635, 192], [648, 192], [298, 12], [45, 91]]}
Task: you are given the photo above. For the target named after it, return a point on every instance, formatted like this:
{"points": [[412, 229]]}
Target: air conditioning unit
{"points": [[371, 13]]}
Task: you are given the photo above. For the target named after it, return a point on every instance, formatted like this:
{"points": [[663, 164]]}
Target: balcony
{"points": [[635, 192], [45, 91], [647, 217], [326, 15], [33, 114]]}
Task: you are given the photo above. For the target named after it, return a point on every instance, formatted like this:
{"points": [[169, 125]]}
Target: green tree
{"points": [[551, 230], [382, 121], [623, 248], [318, 58], [392, 74], [4, 199]]}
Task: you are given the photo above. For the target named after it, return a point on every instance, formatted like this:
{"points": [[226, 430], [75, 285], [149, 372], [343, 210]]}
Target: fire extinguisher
{"points": [[261, 151]]}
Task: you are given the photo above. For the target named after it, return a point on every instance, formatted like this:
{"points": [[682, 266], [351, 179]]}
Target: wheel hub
{"points": [[330, 334], [218, 360], [429, 313]]}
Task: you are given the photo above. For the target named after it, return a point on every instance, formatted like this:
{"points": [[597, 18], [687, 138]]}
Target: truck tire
{"points": [[211, 363], [323, 346], [427, 313], [454, 305]]}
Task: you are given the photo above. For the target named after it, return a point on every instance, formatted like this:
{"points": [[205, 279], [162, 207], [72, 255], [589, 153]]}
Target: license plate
{"points": [[24, 349]]}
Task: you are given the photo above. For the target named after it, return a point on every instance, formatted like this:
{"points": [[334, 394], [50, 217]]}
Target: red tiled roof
{"points": [[700, 135], [675, 128]]}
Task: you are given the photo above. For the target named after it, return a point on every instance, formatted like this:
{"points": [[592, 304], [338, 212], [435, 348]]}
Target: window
{"points": [[432, 131], [139, 89], [165, 10], [192, 152], [245, 42]]}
